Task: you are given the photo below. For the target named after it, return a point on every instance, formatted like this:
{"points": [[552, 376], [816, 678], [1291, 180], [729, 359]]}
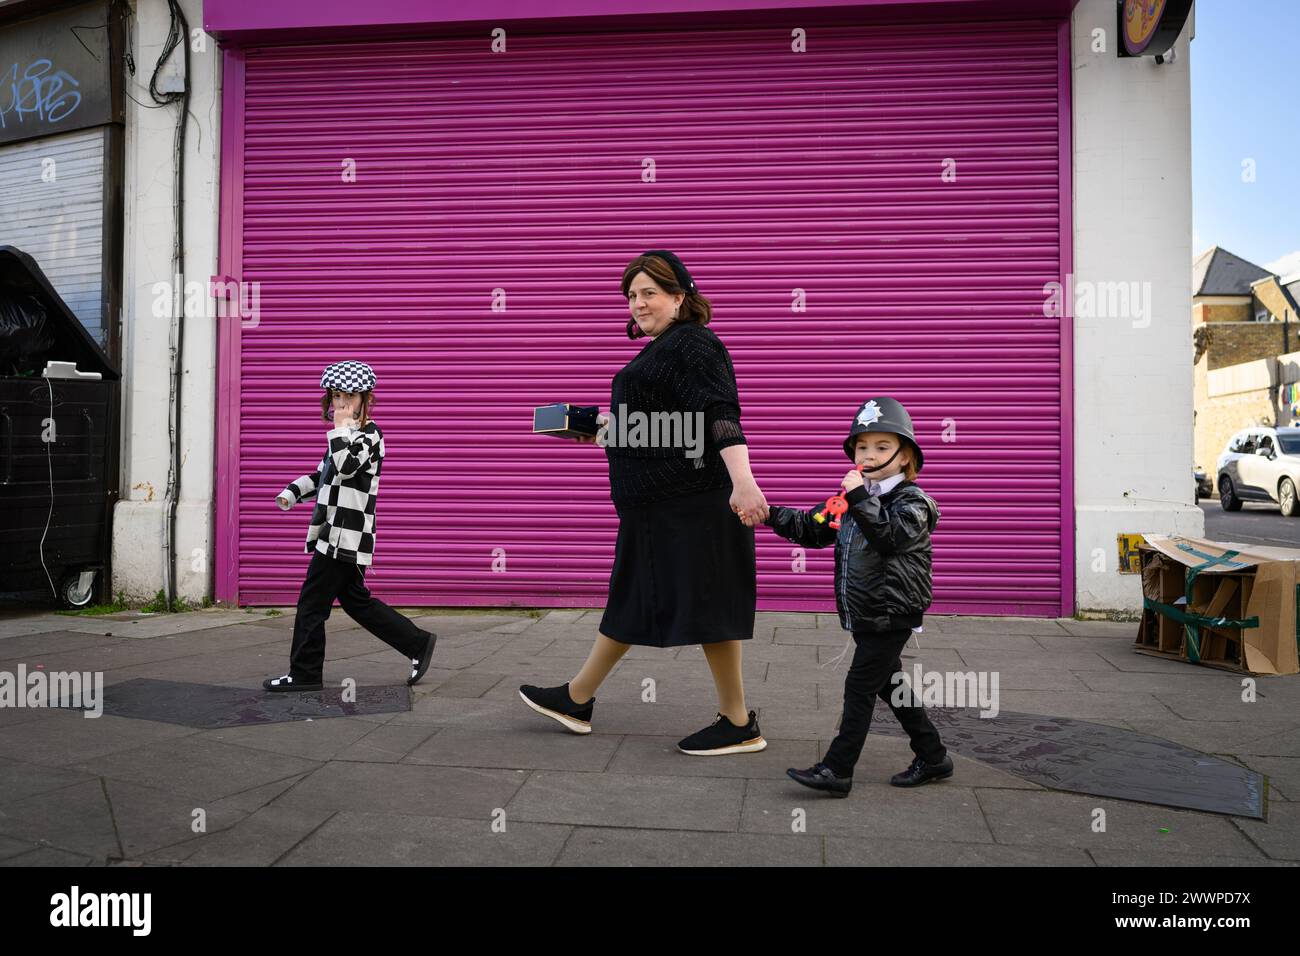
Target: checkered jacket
{"points": [[346, 484]]}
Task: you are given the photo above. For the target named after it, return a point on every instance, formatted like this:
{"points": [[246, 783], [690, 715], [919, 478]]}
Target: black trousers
{"points": [[876, 659], [326, 580]]}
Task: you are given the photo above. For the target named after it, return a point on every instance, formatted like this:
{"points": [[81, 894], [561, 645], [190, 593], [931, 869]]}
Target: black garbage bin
{"points": [[58, 454]]}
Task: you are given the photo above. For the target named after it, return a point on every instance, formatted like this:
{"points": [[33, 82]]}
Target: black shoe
{"points": [[821, 777], [921, 772], [421, 664], [724, 737], [287, 684], [556, 703]]}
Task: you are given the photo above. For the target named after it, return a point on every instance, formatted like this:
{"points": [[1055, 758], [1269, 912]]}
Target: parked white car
{"points": [[1261, 464]]}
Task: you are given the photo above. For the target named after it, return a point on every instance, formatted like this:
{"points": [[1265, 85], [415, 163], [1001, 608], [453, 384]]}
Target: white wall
{"points": [[138, 521], [1133, 384]]}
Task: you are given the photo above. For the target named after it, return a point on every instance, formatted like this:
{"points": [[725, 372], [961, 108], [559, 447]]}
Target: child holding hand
{"points": [[882, 588]]}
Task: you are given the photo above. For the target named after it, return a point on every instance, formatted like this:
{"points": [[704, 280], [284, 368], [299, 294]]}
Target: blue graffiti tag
{"points": [[38, 91]]}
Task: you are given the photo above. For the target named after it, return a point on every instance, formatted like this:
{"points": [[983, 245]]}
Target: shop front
{"points": [[874, 198]]}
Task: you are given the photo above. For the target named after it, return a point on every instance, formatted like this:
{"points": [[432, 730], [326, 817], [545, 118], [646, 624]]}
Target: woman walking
{"points": [[684, 570]]}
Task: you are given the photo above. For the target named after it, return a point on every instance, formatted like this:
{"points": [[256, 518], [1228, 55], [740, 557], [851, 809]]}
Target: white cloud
{"points": [[1285, 265]]}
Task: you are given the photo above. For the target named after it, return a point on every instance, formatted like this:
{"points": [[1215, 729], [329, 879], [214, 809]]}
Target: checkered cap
{"points": [[349, 377]]}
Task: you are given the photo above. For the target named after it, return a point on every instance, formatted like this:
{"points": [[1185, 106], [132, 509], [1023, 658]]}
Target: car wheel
{"points": [[1228, 499], [1286, 497]]}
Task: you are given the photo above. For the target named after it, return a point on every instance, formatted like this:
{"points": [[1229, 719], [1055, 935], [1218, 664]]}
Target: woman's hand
{"points": [[748, 503], [601, 422]]}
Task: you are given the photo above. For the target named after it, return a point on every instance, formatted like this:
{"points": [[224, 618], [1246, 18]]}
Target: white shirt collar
{"points": [[886, 486]]}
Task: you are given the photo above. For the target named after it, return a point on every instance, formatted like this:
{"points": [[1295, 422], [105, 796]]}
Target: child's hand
{"points": [[748, 503], [852, 480], [344, 419]]}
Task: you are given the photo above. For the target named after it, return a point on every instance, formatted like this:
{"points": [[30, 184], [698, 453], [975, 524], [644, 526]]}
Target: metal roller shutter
{"points": [[774, 171], [59, 219]]}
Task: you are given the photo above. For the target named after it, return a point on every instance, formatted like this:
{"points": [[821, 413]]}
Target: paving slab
{"points": [[1279, 837], [473, 747], [146, 818], [855, 851], [351, 838], [136, 625], [937, 812], [659, 756], [622, 800], [387, 744], [1062, 819], [49, 856], [66, 738], [201, 769], [75, 819], [259, 839], [622, 846], [468, 792], [314, 740]]}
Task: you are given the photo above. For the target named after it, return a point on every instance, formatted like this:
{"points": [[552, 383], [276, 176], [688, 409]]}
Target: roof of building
{"points": [[1218, 272]]}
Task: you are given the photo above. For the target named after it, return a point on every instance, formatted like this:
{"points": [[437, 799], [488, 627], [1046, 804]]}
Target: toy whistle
{"points": [[836, 506]]}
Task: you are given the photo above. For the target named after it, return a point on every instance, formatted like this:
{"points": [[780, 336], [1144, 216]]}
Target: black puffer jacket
{"points": [[882, 554]]}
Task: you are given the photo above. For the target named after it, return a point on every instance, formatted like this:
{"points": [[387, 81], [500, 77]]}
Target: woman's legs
{"points": [[724, 661], [605, 653]]}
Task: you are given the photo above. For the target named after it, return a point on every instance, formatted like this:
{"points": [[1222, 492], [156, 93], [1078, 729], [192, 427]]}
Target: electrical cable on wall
{"points": [[177, 36]]}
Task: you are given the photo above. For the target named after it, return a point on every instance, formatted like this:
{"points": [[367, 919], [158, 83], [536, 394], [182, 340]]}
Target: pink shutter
{"points": [[775, 171]]}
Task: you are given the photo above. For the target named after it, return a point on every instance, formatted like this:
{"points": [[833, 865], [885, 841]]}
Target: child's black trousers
{"points": [[326, 580], [877, 657]]}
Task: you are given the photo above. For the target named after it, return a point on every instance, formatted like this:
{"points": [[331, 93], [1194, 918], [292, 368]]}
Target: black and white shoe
{"points": [[556, 703], [723, 737], [421, 664], [287, 684]]}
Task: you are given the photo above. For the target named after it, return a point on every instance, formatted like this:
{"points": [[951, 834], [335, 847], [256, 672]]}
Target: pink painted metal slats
{"points": [[518, 179]]}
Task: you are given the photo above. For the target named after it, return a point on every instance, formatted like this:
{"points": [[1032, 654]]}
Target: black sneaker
{"points": [[724, 737], [421, 664], [287, 684], [556, 703], [921, 772], [821, 777]]}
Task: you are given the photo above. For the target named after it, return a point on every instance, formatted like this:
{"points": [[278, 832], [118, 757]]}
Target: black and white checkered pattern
{"points": [[346, 484], [349, 377]]}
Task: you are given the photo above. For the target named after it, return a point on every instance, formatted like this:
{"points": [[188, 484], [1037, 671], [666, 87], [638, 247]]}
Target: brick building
{"points": [[1244, 329]]}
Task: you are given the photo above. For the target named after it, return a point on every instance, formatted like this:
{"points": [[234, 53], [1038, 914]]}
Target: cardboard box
{"points": [[1161, 576], [1222, 604]]}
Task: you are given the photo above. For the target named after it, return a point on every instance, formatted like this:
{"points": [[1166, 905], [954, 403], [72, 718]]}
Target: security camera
{"points": [[1169, 56]]}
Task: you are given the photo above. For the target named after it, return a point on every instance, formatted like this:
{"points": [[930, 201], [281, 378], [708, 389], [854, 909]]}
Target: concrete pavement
{"points": [[470, 776]]}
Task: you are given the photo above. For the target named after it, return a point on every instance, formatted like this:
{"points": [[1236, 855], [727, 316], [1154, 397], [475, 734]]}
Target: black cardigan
{"points": [[685, 369]]}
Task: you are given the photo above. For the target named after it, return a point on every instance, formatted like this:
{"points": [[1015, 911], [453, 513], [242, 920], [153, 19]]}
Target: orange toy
{"points": [[836, 505]]}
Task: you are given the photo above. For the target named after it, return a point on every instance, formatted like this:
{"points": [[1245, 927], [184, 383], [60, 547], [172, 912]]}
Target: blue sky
{"points": [[1245, 90]]}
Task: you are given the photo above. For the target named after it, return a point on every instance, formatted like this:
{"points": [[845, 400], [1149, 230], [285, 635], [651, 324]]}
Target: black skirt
{"points": [[684, 573]]}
